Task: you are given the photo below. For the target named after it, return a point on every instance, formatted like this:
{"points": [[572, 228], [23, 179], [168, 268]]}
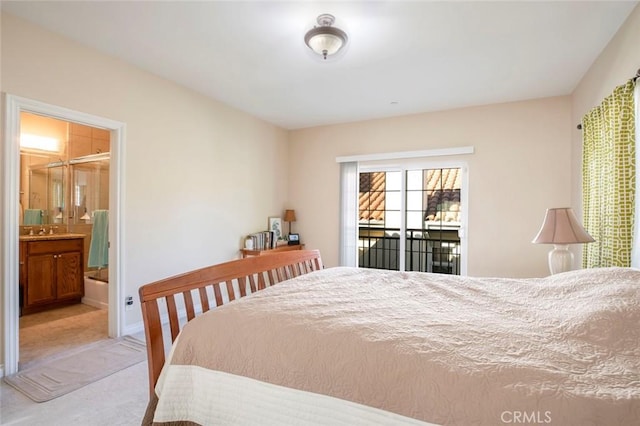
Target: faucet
{"points": [[28, 230], [41, 231]]}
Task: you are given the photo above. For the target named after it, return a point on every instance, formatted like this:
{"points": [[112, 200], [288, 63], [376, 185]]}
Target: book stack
{"points": [[264, 240]]}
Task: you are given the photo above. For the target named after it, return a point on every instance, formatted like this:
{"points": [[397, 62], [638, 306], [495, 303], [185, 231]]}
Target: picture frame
{"points": [[275, 225]]}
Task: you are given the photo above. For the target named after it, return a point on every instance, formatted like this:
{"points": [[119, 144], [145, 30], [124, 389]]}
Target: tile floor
{"points": [[57, 330]]}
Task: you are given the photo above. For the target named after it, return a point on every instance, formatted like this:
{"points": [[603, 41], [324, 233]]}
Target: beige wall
{"points": [[519, 168], [618, 62], [198, 175]]}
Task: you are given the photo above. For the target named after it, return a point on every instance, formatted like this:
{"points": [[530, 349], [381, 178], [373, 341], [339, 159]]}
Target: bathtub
{"points": [[96, 293]]}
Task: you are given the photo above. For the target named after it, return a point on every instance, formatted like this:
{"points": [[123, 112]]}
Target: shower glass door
{"points": [[90, 190]]}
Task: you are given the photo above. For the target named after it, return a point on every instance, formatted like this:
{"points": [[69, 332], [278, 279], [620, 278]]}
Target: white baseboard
{"points": [[138, 327], [95, 303], [135, 328]]}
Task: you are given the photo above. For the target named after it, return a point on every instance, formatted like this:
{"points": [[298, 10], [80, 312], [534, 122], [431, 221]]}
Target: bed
{"points": [[360, 346]]}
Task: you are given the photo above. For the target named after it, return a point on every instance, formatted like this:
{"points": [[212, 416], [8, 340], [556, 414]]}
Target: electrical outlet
{"points": [[128, 303]]}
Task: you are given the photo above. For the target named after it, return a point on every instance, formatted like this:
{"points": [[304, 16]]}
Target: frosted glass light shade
{"points": [[325, 44], [324, 39]]}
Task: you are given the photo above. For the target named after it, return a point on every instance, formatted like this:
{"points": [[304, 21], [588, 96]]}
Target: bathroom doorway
{"points": [[61, 207], [64, 192]]}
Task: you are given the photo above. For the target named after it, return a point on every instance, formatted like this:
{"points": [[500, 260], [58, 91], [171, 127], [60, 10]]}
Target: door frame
{"points": [[13, 106]]}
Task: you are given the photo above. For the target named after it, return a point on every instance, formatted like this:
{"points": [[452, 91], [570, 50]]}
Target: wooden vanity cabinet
{"points": [[52, 273]]}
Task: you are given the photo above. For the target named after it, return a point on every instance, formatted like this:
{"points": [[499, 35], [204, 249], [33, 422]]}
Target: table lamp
{"points": [[561, 228], [289, 216]]}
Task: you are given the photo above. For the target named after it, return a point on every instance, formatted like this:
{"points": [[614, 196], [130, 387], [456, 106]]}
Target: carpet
{"points": [[64, 373]]}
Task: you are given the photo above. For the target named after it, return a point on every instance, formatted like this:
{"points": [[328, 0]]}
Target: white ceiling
{"points": [[402, 57]]}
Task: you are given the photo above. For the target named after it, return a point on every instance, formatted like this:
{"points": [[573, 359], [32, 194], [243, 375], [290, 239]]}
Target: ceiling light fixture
{"points": [[40, 143], [324, 39]]}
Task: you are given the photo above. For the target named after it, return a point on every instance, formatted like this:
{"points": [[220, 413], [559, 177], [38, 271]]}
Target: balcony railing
{"points": [[425, 250]]}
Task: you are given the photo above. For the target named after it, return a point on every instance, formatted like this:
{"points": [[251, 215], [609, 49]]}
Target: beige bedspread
{"points": [[562, 350]]}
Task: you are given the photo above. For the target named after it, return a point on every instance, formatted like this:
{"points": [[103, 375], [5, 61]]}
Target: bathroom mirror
{"points": [[44, 195]]}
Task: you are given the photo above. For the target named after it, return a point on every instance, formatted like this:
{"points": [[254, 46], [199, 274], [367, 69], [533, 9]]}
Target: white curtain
{"points": [[635, 251], [349, 213]]}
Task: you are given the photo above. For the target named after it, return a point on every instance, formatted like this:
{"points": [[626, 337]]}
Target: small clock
{"points": [[294, 239]]}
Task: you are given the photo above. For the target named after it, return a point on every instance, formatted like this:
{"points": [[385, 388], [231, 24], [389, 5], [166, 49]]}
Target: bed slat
{"points": [[174, 323], [217, 293], [242, 285], [259, 271], [204, 299], [230, 291], [188, 303], [270, 276], [252, 283]]}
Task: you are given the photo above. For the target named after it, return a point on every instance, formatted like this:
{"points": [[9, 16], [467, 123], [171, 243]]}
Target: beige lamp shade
{"points": [[561, 226]]}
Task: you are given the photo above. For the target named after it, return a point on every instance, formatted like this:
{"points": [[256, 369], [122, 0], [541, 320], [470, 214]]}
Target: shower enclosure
{"points": [[90, 186], [83, 180], [89, 192]]}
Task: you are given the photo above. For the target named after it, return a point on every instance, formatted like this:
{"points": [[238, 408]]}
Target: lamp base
{"points": [[560, 259]]}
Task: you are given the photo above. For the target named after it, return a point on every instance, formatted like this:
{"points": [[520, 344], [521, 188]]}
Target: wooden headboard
{"points": [[237, 276]]}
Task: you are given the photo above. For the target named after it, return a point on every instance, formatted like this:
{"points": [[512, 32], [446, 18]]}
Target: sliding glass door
{"points": [[379, 224], [411, 219]]}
